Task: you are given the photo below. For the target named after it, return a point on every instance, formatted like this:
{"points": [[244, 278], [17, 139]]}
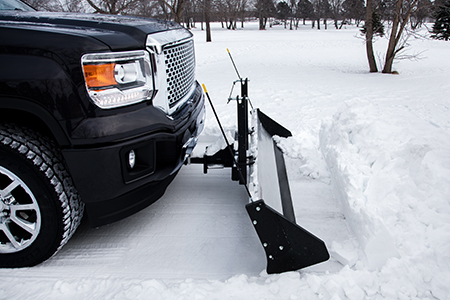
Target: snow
{"points": [[369, 169]]}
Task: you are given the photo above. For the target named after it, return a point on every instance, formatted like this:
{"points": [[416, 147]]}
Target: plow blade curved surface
{"points": [[288, 246]]}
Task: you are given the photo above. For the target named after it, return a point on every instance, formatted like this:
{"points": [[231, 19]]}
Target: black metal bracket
{"points": [[288, 246], [223, 158]]}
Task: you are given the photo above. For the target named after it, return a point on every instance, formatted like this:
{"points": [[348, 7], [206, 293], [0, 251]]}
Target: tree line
{"points": [[233, 13], [402, 16]]}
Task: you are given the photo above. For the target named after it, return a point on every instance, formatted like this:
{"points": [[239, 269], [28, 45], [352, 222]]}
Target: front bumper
{"points": [[108, 186]]}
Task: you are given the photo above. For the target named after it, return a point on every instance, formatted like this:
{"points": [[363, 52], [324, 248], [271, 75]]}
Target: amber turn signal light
{"points": [[99, 75]]}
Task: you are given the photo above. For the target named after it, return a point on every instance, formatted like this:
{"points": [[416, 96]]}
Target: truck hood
{"points": [[117, 32]]}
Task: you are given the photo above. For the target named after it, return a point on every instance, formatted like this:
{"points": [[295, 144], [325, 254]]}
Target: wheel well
{"points": [[23, 118]]}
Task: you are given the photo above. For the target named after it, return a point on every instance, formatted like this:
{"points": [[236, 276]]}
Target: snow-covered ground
{"points": [[369, 169]]}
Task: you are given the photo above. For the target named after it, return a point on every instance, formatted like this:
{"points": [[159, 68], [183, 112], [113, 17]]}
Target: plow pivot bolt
{"points": [[265, 244], [255, 222], [258, 208], [281, 247], [270, 256]]}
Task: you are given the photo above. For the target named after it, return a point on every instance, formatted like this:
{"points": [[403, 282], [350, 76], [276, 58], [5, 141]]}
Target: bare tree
{"points": [[336, 11], [230, 11], [294, 16], [305, 10], [113, 6], [322, 9], [243, 11], [264, 10], [57, 5], [354, 10], [176, 8], [397, 42], [283, 12], [423, 11], [148, 9], [369, 37]]}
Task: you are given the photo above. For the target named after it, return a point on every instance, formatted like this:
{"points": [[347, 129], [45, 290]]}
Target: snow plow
{"points": [[258, 164]]}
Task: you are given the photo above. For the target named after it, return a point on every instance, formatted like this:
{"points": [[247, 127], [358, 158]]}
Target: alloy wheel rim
{"points": [[20, 217]]}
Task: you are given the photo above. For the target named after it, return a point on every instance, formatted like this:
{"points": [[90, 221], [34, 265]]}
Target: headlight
{"points": [[118, 79]]}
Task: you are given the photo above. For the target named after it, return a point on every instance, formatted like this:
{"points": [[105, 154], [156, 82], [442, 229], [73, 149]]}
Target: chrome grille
{"points": [[180, 69]]}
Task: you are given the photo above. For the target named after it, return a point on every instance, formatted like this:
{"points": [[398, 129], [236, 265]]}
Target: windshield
{"points": [[14, 5]]}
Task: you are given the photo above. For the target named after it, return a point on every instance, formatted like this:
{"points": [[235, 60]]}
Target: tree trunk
{"points": [[398, 25], [262, 23], [369, 38], [207, 20], [208, 32], [390, 53]]}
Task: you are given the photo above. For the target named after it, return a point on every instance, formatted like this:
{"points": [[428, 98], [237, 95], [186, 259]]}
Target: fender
{"points": [[40, 86], [30, 107]]}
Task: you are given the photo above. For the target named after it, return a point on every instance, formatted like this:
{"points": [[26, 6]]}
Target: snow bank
{"points": [[391, 172]]}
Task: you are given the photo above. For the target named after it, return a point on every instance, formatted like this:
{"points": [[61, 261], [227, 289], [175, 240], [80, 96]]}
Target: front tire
{"points": [[39, 207]]}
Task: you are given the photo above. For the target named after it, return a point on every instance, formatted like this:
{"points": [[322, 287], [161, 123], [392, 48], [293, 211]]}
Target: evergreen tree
{"points": [[441, 28], [377, 25]]}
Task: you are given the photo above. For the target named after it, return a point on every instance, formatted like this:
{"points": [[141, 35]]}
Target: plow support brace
{"points": [[288, 246]]}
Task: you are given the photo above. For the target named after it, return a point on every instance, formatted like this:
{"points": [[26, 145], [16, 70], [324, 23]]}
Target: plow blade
{"points": [[258, 164], [288, 246]]}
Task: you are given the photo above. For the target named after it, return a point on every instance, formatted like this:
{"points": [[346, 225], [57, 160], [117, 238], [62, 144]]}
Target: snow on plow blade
{"points": [[288, 246]]}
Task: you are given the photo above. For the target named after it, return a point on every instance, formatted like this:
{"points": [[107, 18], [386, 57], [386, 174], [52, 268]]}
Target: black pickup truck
{"points": [[97, 115]]}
